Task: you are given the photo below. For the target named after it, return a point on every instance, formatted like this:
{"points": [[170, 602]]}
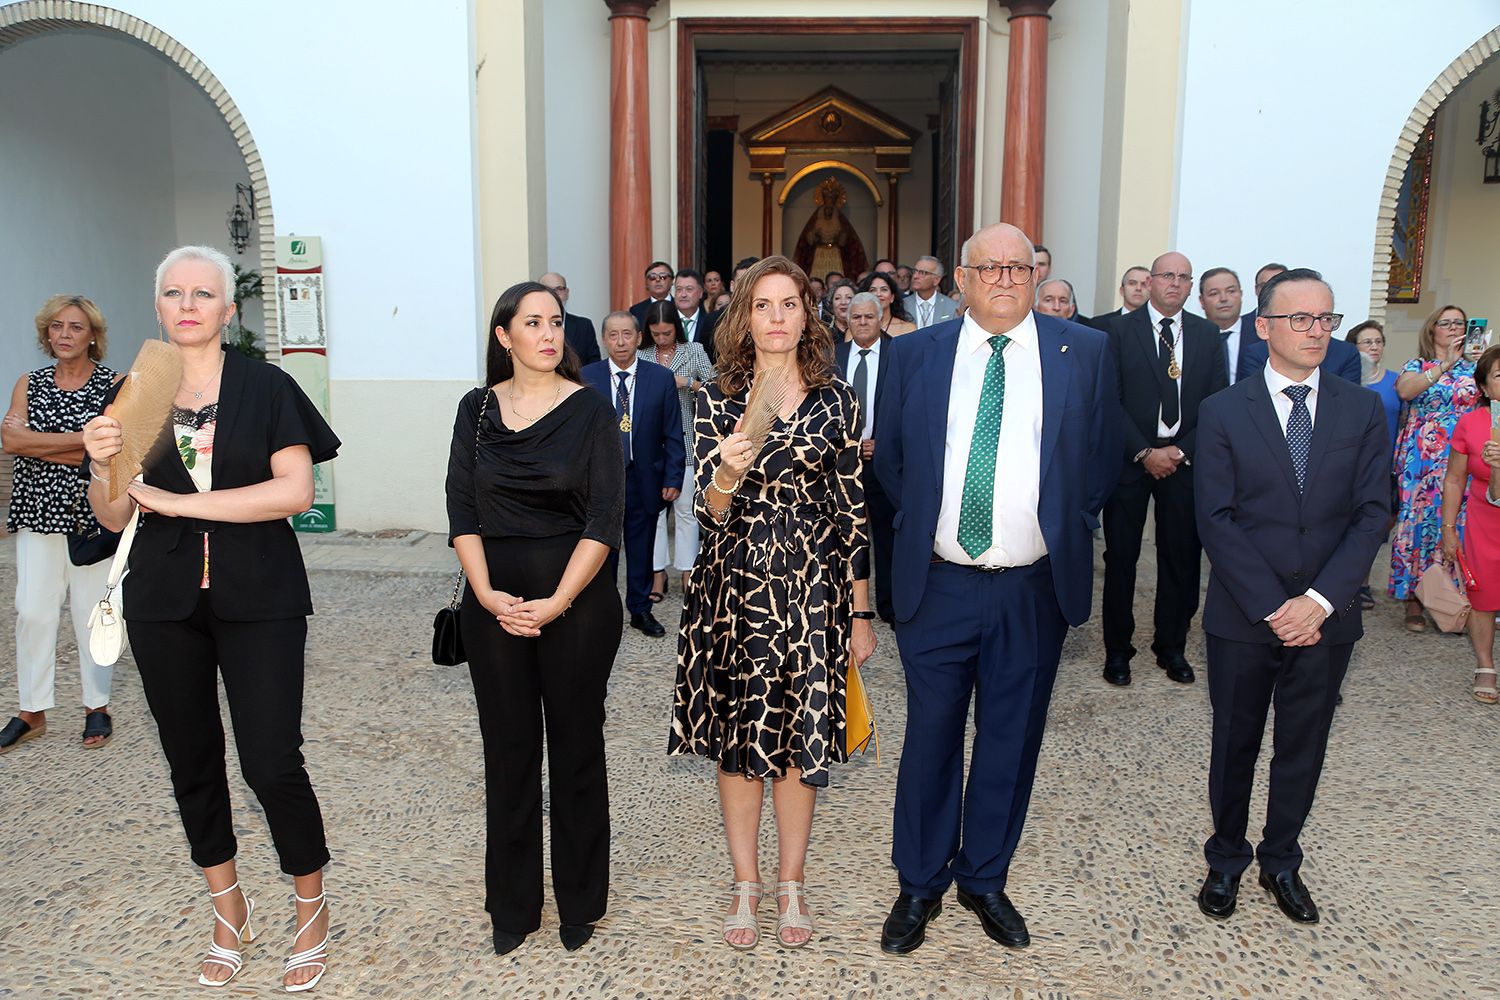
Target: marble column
{"points": [[1025, 116], [630, 150]]}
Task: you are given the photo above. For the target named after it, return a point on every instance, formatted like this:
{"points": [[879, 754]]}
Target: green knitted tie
{"points": [[976, 517]]}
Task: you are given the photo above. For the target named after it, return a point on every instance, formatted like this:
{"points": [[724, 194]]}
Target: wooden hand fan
{"points": [[144, 400], [763, 406]]}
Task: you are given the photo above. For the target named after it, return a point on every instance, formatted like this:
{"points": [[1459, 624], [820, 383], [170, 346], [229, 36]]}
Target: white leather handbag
{"points": [[106, 626]]}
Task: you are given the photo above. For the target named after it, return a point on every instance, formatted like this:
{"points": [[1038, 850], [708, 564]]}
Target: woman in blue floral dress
{"points": [[1438, 386]]}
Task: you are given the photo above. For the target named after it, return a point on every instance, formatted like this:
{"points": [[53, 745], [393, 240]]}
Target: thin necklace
{"points": [[199, 394], [511, 392]]}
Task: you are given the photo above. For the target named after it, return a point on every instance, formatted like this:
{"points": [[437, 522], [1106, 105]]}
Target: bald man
{"points": [[1000, 446], [578, 331]]}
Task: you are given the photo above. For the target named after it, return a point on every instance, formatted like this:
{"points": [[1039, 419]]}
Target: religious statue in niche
{"points": [[1409, 239], [828, 241]]}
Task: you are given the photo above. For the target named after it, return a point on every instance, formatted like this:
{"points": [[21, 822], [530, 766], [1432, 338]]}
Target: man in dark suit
{"points": [[1220, 297], [578, 331], [1293, 500], [697, 322], [998, 442], [1342, 359], [858, 360], [1135, 286], [1169, 362], [1265, 274], [658, 286], [644, 396]]}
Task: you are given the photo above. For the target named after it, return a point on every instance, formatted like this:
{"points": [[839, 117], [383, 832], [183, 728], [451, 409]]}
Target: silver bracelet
{"points": [[95, 475]]}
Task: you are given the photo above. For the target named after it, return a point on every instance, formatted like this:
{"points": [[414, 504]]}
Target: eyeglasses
{"points": [[659, 276], [923, 270], [1302, 322], [1449, 324], [1370, 343], [1169, 276], [990, 273]]}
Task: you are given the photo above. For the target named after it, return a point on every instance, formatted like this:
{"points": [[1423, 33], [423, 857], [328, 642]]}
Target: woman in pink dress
{"points": [[1475, 453]]}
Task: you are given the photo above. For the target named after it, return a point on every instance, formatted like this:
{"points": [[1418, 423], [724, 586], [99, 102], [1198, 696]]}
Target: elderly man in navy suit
{"points": [[1293, 496], [644, 395], [999, 444], [859, 361]]}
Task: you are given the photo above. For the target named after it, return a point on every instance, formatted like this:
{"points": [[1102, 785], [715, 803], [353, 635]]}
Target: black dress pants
{"points": [[1178, 558], [881, 512], [558, 679], [262, 666], [639, 547], [1244, 680]]}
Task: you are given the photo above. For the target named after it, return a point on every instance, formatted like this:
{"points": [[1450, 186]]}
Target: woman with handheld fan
{"points": [[224, 447], [536, 501], [777, 608], [58, 541]]}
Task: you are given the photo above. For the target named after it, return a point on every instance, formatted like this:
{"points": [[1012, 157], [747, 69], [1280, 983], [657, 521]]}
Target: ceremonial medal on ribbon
{"points": [[625, 421]]}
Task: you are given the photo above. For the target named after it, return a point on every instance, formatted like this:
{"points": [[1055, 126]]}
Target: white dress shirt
{"points": [[1231, 339], [872, 372], [1162, 430], [614, 391], [1282, 403], [1017, 534]]}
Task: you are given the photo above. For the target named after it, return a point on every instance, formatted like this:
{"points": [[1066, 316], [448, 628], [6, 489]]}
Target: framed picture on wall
{"points": [[1409, 241]]}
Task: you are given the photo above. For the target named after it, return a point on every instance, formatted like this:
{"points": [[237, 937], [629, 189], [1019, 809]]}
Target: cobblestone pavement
{"points": [[100, 899]]}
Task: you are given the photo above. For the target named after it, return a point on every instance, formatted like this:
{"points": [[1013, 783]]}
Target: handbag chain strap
{"points": [[458, 581]]}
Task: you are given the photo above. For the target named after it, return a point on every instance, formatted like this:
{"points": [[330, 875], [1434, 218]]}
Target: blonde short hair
{"points": [[207, 254], [97, 326]]}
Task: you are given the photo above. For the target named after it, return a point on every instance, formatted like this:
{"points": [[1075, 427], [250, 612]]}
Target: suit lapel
{"points": [[1052, 343], [1144, 334], [937, 378], [231, 408], [1263, 415]]}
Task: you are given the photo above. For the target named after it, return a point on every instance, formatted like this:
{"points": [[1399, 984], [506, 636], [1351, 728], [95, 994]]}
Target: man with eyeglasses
{"points": [[658, 286], [998, 444], [1170, 361], [1341, 359], [1292, 504], [903, 277], [926, 305], [578, 331]]}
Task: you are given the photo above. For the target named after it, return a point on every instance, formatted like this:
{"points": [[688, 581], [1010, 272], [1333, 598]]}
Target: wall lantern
{"points": [[1489, 132], [239, 219]]}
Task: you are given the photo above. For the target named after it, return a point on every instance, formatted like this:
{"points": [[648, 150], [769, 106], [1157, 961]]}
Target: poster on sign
{"points": [[303, 329]]}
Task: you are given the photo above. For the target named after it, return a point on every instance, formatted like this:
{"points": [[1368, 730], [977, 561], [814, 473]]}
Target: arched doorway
{"points": [[199, 98]]}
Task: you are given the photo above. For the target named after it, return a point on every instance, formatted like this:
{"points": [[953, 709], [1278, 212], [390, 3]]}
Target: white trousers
{"points": [[685, 547], [43, 576]]}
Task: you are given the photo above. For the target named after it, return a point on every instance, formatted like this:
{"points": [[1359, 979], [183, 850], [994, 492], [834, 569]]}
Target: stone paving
{"points": [[100, 899]]}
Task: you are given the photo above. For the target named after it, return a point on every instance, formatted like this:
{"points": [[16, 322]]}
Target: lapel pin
{"points": [[1065, 348]]}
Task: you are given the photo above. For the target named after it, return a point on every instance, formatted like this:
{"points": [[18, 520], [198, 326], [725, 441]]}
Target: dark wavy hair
{"points": [[736, 348], [664, 311], [1487, 361], [898, 309], [498, 366]]}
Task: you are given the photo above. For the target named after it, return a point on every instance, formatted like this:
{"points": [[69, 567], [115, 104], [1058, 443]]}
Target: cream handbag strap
{"points": [[122, 554]]}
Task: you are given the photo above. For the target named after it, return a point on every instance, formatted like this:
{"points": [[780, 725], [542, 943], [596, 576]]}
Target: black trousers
{"points": [[880, 513], [639, 546], [1178, 558], [558, 679], [1244, 680], [262, 666]]}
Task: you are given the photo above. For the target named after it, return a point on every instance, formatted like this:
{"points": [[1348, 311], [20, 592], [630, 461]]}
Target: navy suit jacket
{"points": [[1265, 541], [579, 333], [655, 427], [1080, 452], [1342, 358]]}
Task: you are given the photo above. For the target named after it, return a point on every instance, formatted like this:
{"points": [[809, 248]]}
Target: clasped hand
{"points": [[1298, 622], [518, 616], [1161, 463]]}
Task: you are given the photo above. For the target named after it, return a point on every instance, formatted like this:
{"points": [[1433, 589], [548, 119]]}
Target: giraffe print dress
{"points": [[764, 645]]}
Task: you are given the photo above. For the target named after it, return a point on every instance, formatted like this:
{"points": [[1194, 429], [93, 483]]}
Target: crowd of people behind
{"points": [[799, 455]]}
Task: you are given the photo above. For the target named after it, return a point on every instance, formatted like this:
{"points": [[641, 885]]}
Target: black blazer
{"points": [[255, 570], [639, 311], [704, 334], [1267, 542], [1143, 380], [579, 333], [841, 362]]}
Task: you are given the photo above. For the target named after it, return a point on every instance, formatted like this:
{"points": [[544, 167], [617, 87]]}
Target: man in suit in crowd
{"points": [[644, 396], [578, 331], [1341, 360], [1169, 361], [832, 278], [1220, 296], [903, 278], [697, 322], [658, 286], [1043, 266], [1265, 274], [744, 265], [859, 361], [989, 569], [1292, 503], [1135, 287], [926, 305], [1054, 297]]}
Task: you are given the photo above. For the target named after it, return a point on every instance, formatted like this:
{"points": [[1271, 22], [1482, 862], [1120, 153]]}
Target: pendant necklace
{"points": [[198, 395], [511, 392]]}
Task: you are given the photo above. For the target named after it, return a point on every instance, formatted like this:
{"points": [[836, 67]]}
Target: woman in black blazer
{"points": [[217, 583]]}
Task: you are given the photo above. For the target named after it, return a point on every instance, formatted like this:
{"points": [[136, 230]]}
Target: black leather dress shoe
{"points": [[1001, 921], [906, 928], [1219, 894], [506, 942], [1177, 667], [1291, 895], [575, 936], [646, 622], [1117, 670]]}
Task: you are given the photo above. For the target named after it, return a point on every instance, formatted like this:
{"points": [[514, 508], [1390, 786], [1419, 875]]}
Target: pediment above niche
{"points": [[830, 121]]}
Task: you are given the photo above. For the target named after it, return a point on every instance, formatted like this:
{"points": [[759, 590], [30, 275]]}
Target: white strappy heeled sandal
{"points": [[316, 955], [793, 918], [742, 917], [231, 958]]}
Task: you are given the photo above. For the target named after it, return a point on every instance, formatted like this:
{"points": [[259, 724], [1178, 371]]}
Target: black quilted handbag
{"points": [[447, 641]]}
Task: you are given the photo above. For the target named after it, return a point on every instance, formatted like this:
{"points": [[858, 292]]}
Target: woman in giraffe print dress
{"points": [[778, 603]]}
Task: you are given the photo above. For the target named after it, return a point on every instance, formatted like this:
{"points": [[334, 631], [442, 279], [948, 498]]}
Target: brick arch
{"points": [[30, 18], [1448, 81]]}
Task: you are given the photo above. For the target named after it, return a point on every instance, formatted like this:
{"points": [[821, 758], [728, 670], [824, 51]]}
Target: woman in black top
{"points": [[217, 585], [536, 497]]}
